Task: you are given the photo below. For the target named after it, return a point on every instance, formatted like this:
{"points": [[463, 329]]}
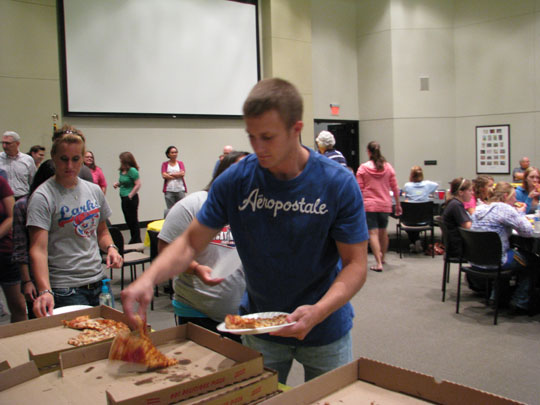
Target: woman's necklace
{"points": [[70, 191]]}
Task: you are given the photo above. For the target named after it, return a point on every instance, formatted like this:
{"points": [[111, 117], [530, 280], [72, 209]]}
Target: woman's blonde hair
{"points": [[501, 192], [526, 174], [69, 135]]}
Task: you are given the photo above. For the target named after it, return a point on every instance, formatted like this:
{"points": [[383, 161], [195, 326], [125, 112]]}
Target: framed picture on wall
{"points": [[493, 149]]}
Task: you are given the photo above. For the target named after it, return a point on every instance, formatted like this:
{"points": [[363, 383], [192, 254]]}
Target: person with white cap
{"points": [[325, 142], [19, 166]]}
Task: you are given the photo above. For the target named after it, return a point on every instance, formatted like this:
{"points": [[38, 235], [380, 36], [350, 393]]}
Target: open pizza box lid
{"points": [[23, 341], [208, 362], [372, 382]]}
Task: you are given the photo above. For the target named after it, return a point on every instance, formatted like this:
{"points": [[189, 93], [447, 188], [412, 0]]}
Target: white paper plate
{"points": [[69, 308], [256, 331]]}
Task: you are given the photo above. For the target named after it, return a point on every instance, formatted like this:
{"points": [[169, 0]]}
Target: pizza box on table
{"points": [[207, 362], [249, 391], [372, 382], [9, 377], [42, 339]]}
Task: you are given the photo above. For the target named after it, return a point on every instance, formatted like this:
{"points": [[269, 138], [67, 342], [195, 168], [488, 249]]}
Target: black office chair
{"points": [[416, 217], [448, 259], [131, 259], [153, 236], [483, 248]]}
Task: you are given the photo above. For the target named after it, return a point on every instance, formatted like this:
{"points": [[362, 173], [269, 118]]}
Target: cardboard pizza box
{"points": [[249, 391], [10, 377], [4, 365], [207, 362], [372, 382], [43, 339]]}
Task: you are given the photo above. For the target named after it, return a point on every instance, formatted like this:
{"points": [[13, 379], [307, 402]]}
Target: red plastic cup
{"points": [[441, 195]]}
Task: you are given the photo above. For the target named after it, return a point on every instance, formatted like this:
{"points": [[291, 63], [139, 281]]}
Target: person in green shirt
{"points": [[129, 184]]}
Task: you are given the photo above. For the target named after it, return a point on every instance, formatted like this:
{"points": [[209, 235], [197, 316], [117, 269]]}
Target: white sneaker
{"points": [[418, 246]]}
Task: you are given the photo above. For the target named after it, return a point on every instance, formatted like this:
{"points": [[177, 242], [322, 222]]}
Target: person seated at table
{"points": [[455, 215], [194, 301], [529, 191], [499, 215], [482, 186], [417, 190], [518, 172]]}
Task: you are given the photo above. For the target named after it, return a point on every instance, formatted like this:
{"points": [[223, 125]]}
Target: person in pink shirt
{"points": [[482, 189], [376, 178], [97, 173]]}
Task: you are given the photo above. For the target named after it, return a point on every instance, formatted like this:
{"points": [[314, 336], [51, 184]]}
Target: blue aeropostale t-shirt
{"points": [[286, 233]]}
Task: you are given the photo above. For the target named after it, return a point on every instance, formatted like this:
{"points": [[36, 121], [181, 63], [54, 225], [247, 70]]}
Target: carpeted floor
{"points": [[401, 320]]}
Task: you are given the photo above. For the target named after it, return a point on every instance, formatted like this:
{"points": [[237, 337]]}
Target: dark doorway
{"points": [[347, 138]]}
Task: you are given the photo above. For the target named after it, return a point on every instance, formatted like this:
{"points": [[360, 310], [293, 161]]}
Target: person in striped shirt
{"points": [[325, 142]]}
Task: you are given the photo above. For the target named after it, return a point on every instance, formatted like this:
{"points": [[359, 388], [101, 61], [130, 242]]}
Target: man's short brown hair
{"points": [[275, 94]]}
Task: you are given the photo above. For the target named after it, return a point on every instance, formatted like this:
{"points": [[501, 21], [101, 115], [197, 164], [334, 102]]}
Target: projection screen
{"points": [[159, 57]]}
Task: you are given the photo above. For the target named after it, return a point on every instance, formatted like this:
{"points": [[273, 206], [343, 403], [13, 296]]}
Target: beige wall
{"points": [[335, 71], [286, 37], [481, 57], [497, 75], [400, 42]]}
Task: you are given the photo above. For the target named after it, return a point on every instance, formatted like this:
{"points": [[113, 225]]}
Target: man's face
{"points": [[10, 146], [38, 156], [271, 141], [525, 163]]}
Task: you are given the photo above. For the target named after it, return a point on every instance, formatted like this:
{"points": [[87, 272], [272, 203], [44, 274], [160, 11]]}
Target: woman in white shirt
{"points": [[418, 190], [173, 171]]}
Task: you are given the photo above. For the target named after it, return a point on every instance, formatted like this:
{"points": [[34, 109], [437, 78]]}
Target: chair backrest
{"points": [[483, 248], [118, 239], [153, 235], [417, 212]]}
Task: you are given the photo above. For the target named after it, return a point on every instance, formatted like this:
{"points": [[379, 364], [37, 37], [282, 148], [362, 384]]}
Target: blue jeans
{"points": [[76, 296], [316, 360], [520, 297]]}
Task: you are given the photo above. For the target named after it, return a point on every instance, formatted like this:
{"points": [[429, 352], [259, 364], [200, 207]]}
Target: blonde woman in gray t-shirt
{"points": [[66, 222]]}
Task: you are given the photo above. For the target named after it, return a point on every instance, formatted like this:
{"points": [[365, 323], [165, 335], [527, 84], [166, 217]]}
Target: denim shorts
{"points": [[76, 296], [377, 220], [316, 360], [9, 272]]}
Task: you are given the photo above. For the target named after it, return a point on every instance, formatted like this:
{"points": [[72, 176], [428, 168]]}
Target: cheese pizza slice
{"points": [[136, 347]]}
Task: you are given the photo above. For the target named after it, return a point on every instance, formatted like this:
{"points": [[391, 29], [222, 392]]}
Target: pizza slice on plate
{"points": [[241, 322], [137, 347]]}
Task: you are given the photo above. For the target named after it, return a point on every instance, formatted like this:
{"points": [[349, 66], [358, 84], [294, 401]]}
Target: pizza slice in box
{"points": [[136, 347], [93, 330]]}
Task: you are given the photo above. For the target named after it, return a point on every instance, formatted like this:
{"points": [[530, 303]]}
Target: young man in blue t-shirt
{"points": [[299, 225]]}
